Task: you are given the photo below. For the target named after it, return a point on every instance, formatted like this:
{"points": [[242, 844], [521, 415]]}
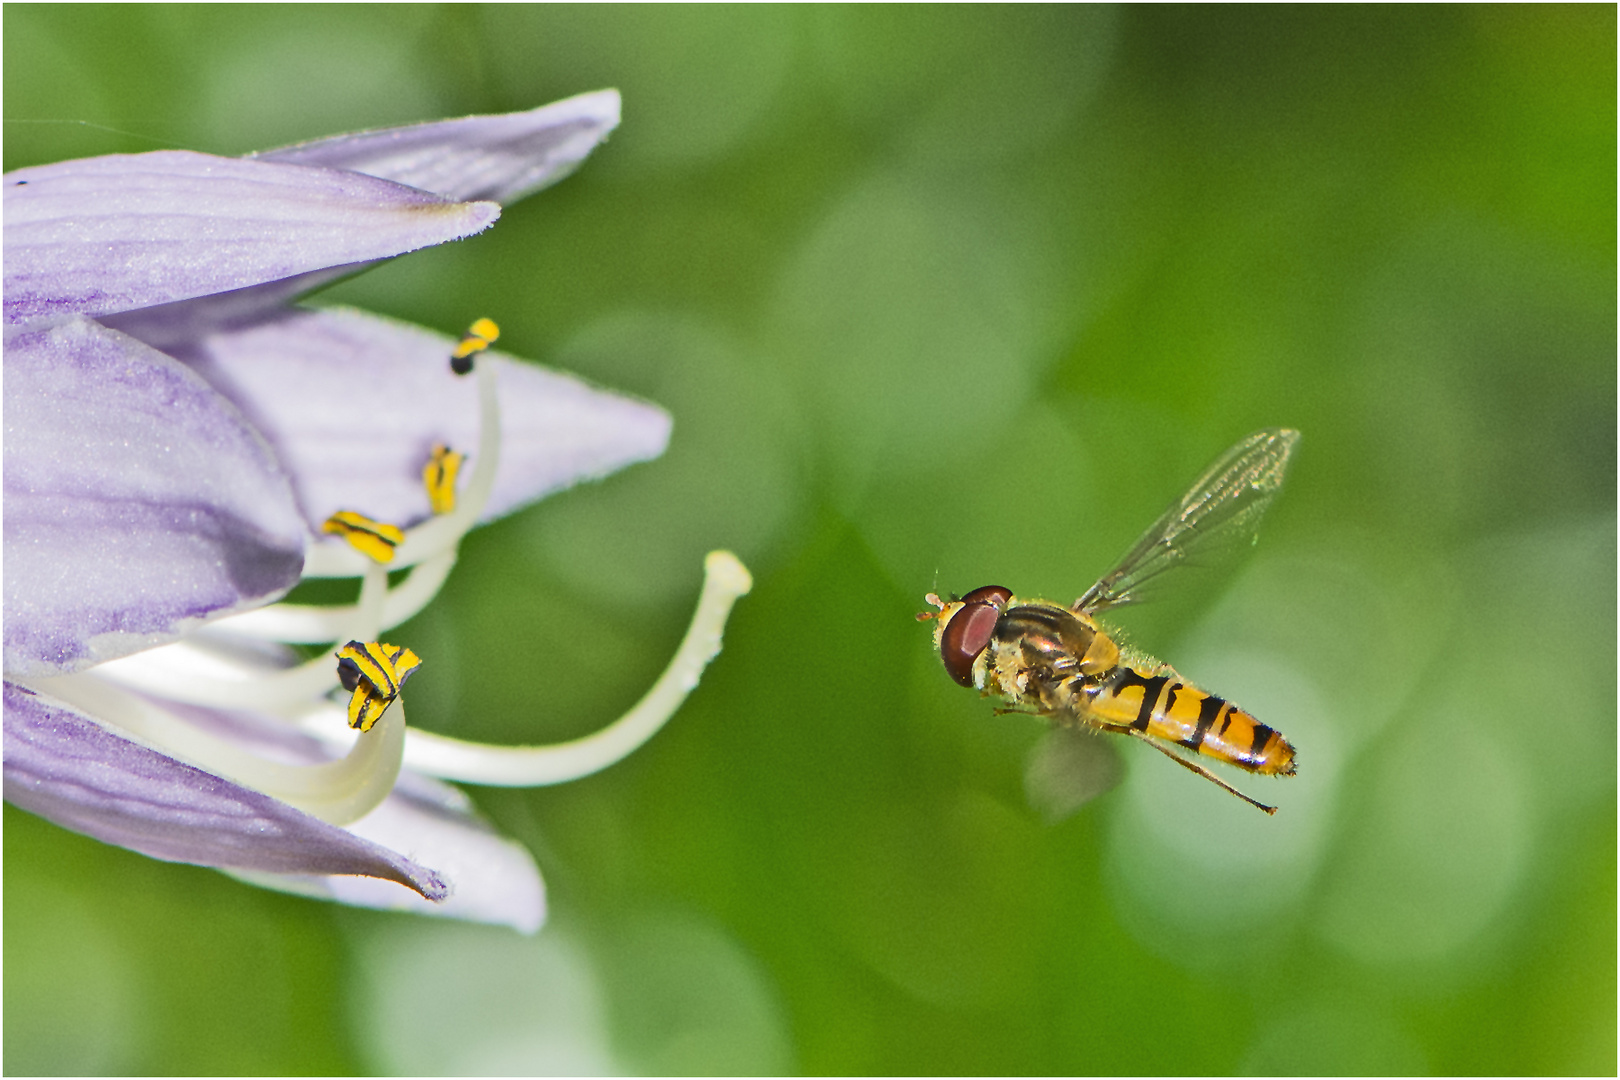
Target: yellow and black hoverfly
{"points": [[1058, 662]]}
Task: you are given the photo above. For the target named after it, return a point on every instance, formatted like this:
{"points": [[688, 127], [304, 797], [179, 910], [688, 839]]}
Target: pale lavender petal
{"points": [[68, 769], [108, 234], [353, 403], [172, 327], [138, 502], [503, 158], [492, 879]]}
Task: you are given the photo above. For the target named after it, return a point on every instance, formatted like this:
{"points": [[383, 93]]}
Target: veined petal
{"points": [[353, 403], [504, 158], [494, 879], [68, 769], [109, 234], [138, 502], [175, 327]]}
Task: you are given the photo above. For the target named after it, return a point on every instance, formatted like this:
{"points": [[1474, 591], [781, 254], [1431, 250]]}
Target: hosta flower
{"points": [[182, 446]]}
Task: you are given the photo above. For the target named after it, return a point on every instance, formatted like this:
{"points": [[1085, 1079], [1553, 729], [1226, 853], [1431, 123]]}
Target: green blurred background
{"points": [[938, 298]]}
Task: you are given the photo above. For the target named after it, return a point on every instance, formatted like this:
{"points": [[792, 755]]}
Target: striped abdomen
{"points": [[1163, 706]]}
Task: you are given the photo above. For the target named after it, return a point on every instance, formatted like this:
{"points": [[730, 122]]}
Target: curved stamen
{"points": [[277, 691], [337, 792], [725, 580], [316, 624], [433, 536]]}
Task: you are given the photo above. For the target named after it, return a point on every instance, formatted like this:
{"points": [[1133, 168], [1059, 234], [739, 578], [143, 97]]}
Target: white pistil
{"points": [[725, 580], [338, 792]]}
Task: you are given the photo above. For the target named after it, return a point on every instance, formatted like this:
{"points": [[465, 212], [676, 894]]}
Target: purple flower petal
{"points": [[137, 500], [109, 234], [176, 326], [70, 770], [503, 158], [353, 403], [493, 879]]}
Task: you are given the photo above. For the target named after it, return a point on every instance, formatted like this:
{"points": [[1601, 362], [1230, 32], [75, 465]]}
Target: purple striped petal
{"points": [[173, 327], [493, 879], [138, 502], [109, 234], [70, 770], [353, 403], [503, 158]]}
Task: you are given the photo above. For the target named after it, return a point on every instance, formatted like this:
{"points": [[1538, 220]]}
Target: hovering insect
{"points": [[1059, 663]]}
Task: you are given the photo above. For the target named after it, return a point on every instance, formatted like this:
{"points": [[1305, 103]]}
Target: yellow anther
{"points": [[377, 539], [373, 673], [479, 336], [439, 477]]}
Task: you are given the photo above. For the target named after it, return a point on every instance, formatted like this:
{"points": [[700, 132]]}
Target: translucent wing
{"points": [[1221, 512], [1067, 769]]}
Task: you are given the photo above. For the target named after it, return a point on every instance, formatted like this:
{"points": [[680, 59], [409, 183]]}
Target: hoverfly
{"points": [[1059, 663]]}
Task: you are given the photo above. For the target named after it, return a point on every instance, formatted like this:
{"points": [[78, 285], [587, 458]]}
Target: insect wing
{"points": [[1220, 514], [1067, 769]]}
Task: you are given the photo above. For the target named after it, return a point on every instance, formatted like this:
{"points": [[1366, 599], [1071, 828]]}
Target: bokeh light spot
{"points": [[912, 321], [695, 80], [1441, 840], [729, 479], [443, 999], [71, 1005]]}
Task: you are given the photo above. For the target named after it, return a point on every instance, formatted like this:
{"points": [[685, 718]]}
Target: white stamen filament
{"points": [[271, 692], [315, 624], [725, 579], [338, 792]]}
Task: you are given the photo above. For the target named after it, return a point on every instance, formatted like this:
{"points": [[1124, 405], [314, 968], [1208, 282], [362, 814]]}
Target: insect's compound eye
{"points": [[969, 630], [998, 595]]}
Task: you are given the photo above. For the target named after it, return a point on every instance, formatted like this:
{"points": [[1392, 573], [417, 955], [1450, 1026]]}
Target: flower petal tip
{"points": [[504, 157]]}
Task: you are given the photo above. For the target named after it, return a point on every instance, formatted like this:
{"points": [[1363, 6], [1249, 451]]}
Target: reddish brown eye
{"points": [[997, 595], [969, 630]]}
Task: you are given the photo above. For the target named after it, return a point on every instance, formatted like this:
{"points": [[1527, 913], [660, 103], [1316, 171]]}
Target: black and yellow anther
{"points": [[479, 336], [373, 673], [439, 477], [377, 539]]}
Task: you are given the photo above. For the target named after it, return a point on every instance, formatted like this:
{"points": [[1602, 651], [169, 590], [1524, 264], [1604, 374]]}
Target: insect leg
{"points": [[1199, 769]]}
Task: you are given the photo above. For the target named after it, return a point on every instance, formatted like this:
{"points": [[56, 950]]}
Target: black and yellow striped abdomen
{"points": [[1160, 704]]}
